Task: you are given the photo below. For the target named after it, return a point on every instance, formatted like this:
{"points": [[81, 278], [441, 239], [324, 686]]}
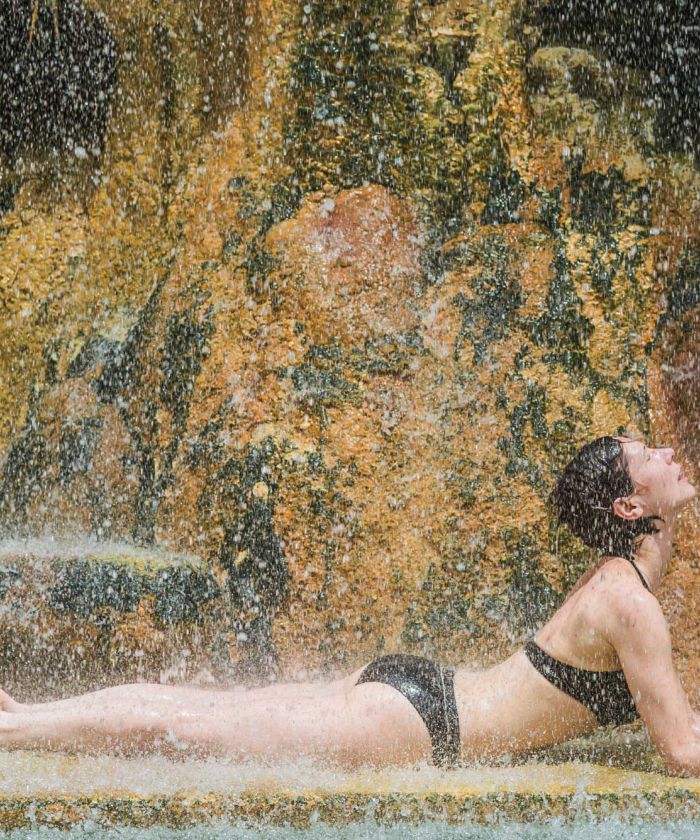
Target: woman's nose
{"points": [[669, 453]]}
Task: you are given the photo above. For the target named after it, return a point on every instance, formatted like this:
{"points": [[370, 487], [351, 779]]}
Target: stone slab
{"points": [[60, 790]]}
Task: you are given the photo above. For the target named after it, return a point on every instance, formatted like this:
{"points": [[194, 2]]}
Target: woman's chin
{"points": [[689, 492], [683, 497]]}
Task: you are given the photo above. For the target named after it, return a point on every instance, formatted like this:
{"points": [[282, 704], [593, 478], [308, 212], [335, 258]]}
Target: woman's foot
{"points": [[7, 704]]}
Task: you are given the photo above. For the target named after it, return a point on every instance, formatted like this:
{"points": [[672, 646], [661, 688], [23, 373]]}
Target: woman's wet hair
{"points": [[584, 495]]}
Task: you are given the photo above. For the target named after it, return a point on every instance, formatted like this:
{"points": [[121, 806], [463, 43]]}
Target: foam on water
{"points": [[49, 547], [39, 773]]}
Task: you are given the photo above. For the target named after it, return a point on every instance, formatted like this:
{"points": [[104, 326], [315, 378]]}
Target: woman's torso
{"points": [[511, 707]]}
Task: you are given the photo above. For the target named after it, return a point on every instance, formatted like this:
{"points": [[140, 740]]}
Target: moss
{"points": [[236, 183], [468, 493], [595, 196], [446, 613], [252, 554], [208, 448], [8, 191], [370, 107], [550, 209], [82, 587], [529, 599], [96, 351], [602, 274], [124, 365], [180, 592], [451, 611], [232, 245], [76, 448], [281, 200], [91, 585], [259, 265], [185, 346], [321, 388], [324, 378], [562, 327], [122, 375], [531, 411], [10, 575], [459, 253], [59, 75], [24, 474], [389, 355], [328, 506], [248, 205], [489, 311], [506, 192], [669, 33], [269, 203]]}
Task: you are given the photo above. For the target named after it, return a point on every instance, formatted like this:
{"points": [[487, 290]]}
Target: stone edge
{"points": [[302, 810]]}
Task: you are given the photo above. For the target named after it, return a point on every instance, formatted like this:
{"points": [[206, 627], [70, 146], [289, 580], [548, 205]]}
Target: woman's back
{"points": [[513, 706]]}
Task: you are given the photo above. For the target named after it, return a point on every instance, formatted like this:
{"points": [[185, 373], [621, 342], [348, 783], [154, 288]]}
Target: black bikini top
{"points": [[605, 693]]}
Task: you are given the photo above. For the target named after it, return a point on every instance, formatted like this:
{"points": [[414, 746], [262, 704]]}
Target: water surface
{"points": [[611, 829]]}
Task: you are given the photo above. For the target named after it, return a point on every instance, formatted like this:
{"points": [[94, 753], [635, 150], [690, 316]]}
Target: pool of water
{"points": [[611, 829]]}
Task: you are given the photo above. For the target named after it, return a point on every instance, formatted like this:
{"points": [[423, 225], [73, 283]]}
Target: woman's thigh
{"points": [[371, 723], [383, 727]]}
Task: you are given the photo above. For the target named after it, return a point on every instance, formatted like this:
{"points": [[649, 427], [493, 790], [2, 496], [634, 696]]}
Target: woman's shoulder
{"points": [[613, 608], [618, 589], [621, 572], [611, 577]]}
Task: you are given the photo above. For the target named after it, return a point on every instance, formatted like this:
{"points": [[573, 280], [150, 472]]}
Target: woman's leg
{"points": [[337, 721], [173, 695], [134, 718], [115, 716], [149, 693], [88, 730]]}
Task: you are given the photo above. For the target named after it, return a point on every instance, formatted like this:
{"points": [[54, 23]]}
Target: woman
{"points": [[604, 657]]}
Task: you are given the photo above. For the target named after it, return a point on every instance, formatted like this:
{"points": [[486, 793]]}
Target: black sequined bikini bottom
{"points": [[429, 687]]}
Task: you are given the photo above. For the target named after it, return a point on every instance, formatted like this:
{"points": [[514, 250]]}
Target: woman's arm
{"points": [[642, 641]]}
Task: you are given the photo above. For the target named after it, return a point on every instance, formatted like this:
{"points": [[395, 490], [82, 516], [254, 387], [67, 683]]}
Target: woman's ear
{"points": [[627, 508]]}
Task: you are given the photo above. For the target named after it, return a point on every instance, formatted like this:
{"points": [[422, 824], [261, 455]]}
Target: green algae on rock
{"points": [[82, 611]]}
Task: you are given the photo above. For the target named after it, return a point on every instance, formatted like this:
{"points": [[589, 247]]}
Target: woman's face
{"points": [[659, 482]]}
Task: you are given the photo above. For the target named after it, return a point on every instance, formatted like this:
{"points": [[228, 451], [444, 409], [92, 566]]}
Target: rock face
{"points": [[347, 287]]}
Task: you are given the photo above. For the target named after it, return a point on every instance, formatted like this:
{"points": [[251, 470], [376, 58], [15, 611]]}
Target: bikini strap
{"points": [[641, 576]]}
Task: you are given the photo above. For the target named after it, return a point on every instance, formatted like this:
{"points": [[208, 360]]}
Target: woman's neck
{"points": [[654, 553]]}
